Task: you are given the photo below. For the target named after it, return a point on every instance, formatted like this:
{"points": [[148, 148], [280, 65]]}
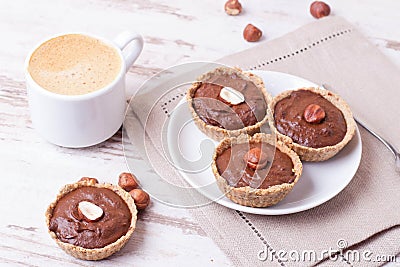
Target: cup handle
{"points": [[131, 44]]}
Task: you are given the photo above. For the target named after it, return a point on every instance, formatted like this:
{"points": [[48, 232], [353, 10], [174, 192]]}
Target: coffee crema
{"points": [[74, 64]]}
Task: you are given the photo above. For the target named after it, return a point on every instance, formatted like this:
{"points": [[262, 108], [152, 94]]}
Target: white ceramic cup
{"points": [[83, 120]]}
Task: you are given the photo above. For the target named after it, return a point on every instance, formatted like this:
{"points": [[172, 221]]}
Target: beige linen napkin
{"points": [[365, 215], [332, 51]]}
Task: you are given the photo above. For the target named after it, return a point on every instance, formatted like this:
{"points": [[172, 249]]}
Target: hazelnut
{"points": [[141, 198], [127, 181], [255, 158], [319, 9], [252, 33], [233, 7], [89, 179], [314, 113], [89, 211], [231, 96]]}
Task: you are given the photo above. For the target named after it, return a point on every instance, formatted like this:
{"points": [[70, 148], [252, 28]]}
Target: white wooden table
{"points": [[175, 31]]}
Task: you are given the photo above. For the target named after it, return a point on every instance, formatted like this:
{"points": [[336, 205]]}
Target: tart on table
{"points": [[91, 221]]}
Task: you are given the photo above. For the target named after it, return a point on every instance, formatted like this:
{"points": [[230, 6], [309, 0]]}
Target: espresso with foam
{"points": [[74, 64]]}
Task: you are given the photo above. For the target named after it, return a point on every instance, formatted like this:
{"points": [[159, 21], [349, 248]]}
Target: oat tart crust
{"points": [[216, 132], [248, 196], [323, 153], [96, 253]]}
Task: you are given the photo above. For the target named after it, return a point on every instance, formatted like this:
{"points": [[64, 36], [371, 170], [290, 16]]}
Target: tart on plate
{"points": [[91, 221], [228, 102], [255, 171], [314, 122]]}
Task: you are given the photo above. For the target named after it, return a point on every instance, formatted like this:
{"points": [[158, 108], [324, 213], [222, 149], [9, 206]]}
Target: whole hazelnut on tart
{"points": [[255, 158], [251, 33], [319, 9], [314, 114]]}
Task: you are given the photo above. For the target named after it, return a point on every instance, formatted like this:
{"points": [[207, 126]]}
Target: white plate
{"points": [[319, 182]]}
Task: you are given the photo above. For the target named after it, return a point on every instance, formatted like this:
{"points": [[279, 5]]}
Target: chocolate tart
{"points": [[312, 140], [219, 119], [91, 240], [236, 179]]}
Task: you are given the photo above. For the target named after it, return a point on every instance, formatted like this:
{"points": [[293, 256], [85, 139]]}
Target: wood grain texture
{"points": [[175, 31]]}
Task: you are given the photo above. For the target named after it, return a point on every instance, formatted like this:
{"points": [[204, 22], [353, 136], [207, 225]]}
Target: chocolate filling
{"points": [[289, 120], [232, 167], [213, 110], [71, 227]]}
